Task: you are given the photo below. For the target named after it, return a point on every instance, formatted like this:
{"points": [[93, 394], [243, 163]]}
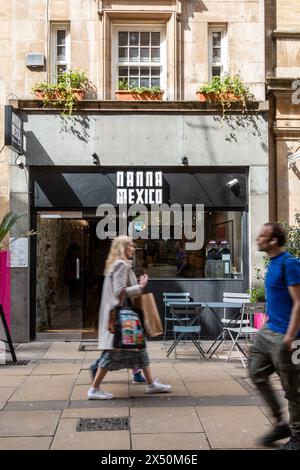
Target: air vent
{"points": [[103, 424]]}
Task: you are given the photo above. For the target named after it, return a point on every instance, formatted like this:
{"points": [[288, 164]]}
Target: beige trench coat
{"points": [[120, 276]]}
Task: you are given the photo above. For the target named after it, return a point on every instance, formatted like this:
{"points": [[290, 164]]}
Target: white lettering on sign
{"points": [[139, 187]]}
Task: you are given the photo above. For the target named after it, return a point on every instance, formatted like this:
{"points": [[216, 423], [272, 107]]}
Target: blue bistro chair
{"points": [[178, 297]]}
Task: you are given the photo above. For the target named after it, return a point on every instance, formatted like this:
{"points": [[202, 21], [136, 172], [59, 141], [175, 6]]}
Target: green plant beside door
{"points": [[67, 92]]}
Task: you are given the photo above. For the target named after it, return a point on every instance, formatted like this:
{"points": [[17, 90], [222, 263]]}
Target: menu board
{"points": [[19, 253]]}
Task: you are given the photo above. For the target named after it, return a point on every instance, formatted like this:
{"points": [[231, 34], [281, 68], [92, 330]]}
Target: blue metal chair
{"points": [[177, 297]]}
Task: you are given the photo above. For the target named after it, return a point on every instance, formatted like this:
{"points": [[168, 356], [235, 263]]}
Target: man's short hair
{"points": [[279, 232]]}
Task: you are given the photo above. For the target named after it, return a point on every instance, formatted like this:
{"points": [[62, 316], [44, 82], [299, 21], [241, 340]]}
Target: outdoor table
{"points": [[220, 338], [193, 309]]}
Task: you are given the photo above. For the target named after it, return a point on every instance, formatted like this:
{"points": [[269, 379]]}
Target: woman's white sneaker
{"points": [[157, 387], [98, 394]]}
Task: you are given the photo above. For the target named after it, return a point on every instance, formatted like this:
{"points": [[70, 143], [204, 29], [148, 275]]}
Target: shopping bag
{"points": [[129, 333], [151, 318]]}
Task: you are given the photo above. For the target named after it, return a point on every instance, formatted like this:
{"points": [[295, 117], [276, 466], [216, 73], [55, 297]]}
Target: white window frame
{"points": [[224, 49], [53, 49], [139, 27]]}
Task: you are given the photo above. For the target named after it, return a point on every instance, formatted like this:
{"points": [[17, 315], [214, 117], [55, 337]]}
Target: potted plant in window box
{"points": [[225, 90], [124, 93], [67, 92]]}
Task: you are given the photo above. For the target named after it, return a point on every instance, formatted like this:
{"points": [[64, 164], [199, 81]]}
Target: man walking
{"points": [[273, 347]]}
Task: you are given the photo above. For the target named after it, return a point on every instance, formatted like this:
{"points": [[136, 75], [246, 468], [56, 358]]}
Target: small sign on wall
{"points": [[13, 130], [19, 253]]}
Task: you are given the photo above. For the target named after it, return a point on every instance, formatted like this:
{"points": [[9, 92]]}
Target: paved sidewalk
{"points": [[213, 404]]}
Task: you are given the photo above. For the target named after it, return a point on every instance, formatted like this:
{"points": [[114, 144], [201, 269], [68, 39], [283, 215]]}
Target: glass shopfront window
{"points": [[220, 257]]}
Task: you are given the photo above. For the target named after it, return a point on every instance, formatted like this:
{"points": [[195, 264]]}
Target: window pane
{"points": [[155, 71], [145, 55], [220, 257], [155, 55], [216, 71], [145, 71], [216, 54], [145, 39], [155, 39], [134, 71], [145, 82], [123, 38], [123, 54], [217, 39], [61, 37], [61, 53], [133, 39], [155, 81], [123, 71], [133, 82], [60, 69], [133, 54]]}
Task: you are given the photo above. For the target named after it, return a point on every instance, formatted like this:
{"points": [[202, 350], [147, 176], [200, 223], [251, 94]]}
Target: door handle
{"points": [[77, 268]]}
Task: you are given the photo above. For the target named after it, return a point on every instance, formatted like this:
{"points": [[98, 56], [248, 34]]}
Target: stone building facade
{"points": [[190, 42], [282, 75]]}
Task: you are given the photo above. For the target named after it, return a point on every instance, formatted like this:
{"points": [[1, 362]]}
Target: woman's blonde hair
{"points": [[117, 251]]}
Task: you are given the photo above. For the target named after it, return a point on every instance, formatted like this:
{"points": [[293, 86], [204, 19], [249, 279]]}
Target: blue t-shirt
{"points": [[279, 301]]}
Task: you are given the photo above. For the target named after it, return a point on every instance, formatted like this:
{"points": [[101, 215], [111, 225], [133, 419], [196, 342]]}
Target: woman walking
{"points": [[119, 277]]}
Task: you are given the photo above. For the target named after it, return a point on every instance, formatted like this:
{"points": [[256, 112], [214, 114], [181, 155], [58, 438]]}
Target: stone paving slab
{"points": [[57, 369], [2, 405], [119, 403], [178, 388], [233, 427], [95, 413], [25, 443], [215, 388], [67, 438], [84, 377], [28, 423], [163, 420], [6, 393], [119, 390], [181, 441], [17, 370], [45, 388], [37, 405], [11, 380]]}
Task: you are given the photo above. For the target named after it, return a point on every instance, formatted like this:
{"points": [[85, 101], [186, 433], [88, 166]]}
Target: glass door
{"points": [[62, 245]]}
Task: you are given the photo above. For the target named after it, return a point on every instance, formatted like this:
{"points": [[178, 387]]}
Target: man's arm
{"points": [[294, 325]]}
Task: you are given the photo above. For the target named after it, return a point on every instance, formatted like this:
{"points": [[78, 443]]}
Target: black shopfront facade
{"points": [[67, 258]]}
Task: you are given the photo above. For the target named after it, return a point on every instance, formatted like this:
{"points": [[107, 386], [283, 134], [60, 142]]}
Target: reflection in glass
{"points": [[133, 39]]}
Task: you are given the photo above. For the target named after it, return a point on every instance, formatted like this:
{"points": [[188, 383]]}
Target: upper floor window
{"points": [[139, 57], [217, 50], [60, 50]]}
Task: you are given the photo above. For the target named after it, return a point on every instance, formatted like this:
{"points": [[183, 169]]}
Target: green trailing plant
{"points": [[123, 85], [226, 90], [6, 224], [65, 92]]}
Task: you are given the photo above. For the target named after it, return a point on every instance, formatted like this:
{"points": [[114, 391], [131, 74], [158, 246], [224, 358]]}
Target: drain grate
{"points": [[103, 424], [17, 363]]}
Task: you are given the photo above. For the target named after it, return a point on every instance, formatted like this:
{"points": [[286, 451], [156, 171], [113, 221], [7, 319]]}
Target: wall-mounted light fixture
{"points": [[184, 160], [96, 159], [234, 186]]}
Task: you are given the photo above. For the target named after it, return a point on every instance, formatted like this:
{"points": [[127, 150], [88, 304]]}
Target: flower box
{"points": [[127, 95]]}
